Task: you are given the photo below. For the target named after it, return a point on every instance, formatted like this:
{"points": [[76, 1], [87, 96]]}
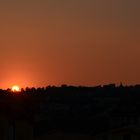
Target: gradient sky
{"points": [[77, 42]]}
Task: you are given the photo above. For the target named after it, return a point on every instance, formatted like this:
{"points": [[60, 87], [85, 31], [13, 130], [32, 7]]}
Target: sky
{"points": [[74, 42]]}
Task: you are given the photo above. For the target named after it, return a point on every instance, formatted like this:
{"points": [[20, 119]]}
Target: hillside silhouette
{"points": [[71, 109]]}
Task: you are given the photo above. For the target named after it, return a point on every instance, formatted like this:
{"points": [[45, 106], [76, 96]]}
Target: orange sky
{"points": [[86, 42]]}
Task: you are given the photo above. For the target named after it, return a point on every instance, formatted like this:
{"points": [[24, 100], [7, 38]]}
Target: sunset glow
{"points": [[15, 88], [73, 42]]}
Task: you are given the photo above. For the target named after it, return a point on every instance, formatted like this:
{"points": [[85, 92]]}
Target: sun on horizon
{"points": [[15, 88]]}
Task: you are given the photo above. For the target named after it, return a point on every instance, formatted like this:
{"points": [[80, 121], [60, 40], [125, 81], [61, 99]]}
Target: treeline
{"points": [[109, 90], [73, 108]]}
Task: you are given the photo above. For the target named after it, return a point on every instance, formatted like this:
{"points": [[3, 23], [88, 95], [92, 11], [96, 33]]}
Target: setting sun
{"points": [[15, 88]]}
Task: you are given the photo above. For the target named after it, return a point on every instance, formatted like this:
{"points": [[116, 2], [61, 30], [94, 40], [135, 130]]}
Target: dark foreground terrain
{"points": [[68, 112]]}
